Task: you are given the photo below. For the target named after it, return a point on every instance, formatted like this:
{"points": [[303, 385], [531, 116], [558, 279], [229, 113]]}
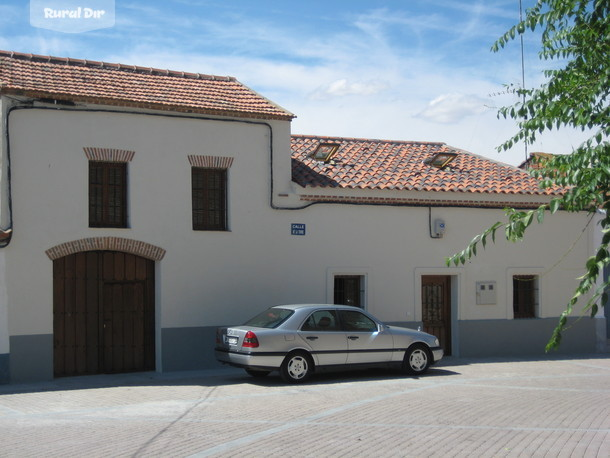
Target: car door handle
{"points": [[312, 337], [353, 337]]}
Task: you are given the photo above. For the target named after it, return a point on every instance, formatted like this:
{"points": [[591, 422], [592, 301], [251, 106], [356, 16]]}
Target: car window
{"points": [[356, 321], [270, 318], [321, 320]]}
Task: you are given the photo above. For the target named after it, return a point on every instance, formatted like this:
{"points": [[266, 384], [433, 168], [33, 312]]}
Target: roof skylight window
{"points": [[441, 160], [325, 151]]}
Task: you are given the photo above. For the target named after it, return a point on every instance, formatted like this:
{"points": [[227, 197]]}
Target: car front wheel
{"points": [[417, 360], [297, 367]]}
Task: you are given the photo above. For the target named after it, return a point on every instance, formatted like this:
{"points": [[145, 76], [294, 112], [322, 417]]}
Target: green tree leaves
{"points": [[576, 35]]}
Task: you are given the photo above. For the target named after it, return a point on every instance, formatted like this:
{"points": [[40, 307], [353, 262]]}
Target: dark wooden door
{"points": [[436, 308], [103, 313]]}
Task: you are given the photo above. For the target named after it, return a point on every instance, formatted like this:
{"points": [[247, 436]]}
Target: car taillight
{"points": [[218, 336], [250, 340]]}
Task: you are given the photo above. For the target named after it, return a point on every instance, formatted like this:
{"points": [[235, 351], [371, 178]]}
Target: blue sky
{"points": [[404, 70]]}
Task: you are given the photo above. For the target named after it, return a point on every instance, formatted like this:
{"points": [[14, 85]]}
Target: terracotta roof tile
{"points": [[400, 165], [125, 85], [535, 160]]}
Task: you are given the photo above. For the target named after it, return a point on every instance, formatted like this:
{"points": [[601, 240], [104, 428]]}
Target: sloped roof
{"points": [[400, 165], [128, 85], [535, 160]]}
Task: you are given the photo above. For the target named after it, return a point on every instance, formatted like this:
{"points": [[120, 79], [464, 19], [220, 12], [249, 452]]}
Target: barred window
{"points": [[349, 290], [209, 196], [525, 296], [107, 194]]}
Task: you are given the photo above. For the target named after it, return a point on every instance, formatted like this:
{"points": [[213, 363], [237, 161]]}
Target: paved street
{"points": [[555, 407]]}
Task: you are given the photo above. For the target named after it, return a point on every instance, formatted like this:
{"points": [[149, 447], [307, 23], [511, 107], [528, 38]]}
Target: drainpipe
{"points": [[6, 232]]}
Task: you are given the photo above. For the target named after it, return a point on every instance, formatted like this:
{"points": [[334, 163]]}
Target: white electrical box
{"points": [[439, 227], [486, 292]]}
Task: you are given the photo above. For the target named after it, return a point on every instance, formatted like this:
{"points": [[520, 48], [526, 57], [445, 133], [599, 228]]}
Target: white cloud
{"points": [[343, 87], [451, 108]]}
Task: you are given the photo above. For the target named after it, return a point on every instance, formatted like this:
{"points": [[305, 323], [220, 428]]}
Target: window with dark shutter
{"points": [[525, 296], [107, 194], [349, 290], [209, 191]]}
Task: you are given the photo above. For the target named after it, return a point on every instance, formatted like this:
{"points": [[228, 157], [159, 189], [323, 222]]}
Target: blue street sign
{"points": [[297, 229]]}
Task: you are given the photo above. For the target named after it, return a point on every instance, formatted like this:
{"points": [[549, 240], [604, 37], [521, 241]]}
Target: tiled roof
{"points": [[535, 160], [127, 85], [400, 165]]}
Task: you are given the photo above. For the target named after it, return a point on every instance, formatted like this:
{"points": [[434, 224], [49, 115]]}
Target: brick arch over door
{"points": [[143, 249], [103, 312]]}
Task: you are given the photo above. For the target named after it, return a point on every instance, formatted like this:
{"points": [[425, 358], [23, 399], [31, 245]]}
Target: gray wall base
{"points": [[601, 326], [193, 348], [4, 368], [524, 337], [185, 349], [31, 358]]}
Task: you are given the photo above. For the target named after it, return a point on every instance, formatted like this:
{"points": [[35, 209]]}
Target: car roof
{"points": [[316, 306]]}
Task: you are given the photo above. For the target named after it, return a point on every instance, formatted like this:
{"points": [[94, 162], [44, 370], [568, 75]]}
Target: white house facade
{"points": [[142, 208]]}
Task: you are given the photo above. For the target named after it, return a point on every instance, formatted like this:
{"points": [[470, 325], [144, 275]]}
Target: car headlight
{"points": [[437, 343]]}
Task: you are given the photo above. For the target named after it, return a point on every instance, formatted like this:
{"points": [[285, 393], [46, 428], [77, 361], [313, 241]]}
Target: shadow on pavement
{"points": [[222, 377], [350, 376], [233, 376]]}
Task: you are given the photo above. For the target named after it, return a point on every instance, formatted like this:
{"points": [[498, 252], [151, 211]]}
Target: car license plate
{"points": [[232, 340]]}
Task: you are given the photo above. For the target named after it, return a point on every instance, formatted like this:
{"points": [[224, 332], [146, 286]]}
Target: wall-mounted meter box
{"points": [[439, 228], [486, 292]]}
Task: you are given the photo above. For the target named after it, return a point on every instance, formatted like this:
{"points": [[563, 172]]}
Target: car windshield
{"points": [[270, 318]]}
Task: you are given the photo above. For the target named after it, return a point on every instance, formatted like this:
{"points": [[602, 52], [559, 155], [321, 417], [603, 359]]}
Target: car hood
{"points": [[418, 335]]}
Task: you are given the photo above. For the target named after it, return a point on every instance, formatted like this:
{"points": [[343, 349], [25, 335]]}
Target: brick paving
{"points": [[462, 408]]}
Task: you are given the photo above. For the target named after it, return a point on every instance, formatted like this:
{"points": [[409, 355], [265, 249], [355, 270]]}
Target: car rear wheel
{"points": [[297, 367], [417, 360], [257, 373]]}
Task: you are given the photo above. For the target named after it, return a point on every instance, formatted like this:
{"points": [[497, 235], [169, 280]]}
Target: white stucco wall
{"points": [[393, 247], [50, 195], [213, 278]]}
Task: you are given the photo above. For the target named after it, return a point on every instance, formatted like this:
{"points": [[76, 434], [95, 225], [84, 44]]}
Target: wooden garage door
{"points": [[103, 313]]}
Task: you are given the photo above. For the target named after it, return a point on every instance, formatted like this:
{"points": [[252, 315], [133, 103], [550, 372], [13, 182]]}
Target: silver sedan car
{"points": [[297, 340]]}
